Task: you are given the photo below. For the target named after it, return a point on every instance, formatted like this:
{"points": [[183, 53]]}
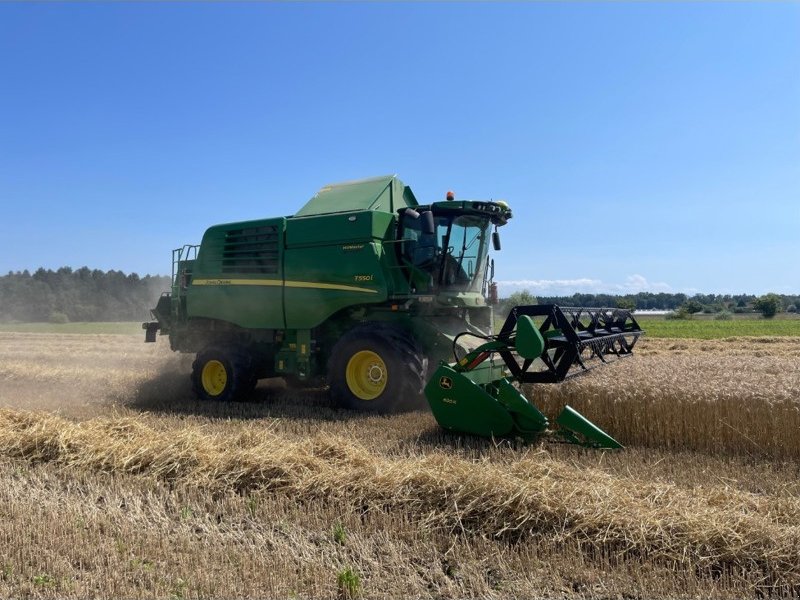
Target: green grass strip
{"points": [[709, 329]]}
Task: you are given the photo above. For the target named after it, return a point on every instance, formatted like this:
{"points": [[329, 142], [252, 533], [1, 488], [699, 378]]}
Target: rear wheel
{"points": [[222, 374], [377, 368]]}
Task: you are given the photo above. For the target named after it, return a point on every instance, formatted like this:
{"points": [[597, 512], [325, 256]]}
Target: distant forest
{"points": [[83, 295], [91, 295], [707, 303]]}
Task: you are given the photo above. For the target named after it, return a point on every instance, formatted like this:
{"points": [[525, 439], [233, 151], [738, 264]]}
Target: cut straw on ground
{"points": [[708, 528]]}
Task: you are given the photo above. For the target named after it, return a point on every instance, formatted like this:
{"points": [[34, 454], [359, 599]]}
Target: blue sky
{"points": [[643, 147]]}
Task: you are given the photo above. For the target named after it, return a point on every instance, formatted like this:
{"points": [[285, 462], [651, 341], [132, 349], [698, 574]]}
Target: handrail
{"points": [[184, 253]]}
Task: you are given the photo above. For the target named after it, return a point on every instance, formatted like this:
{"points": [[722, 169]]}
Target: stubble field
{"points": [[114, 482]]}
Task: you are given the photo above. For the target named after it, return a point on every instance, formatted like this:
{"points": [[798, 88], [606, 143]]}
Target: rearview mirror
{"points": [[428, 226], [496, 240]]}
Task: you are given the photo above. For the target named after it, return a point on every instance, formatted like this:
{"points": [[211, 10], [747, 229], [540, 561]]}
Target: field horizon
{"points": [[700, 326]]}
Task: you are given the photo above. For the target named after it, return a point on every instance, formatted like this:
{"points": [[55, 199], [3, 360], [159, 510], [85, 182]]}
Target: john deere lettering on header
{"points": [[365, 288]]}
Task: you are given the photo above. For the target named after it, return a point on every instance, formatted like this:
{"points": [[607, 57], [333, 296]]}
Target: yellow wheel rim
{"points": [[214, 377], [366, 375]]}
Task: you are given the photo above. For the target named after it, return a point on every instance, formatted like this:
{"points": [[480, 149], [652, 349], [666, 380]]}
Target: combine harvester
{"points": [[364, 289]]}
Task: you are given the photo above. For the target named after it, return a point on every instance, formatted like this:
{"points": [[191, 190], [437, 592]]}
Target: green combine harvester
{"points": [[372, 293]]}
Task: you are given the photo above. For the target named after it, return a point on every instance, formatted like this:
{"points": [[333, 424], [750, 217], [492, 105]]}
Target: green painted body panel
{"points": [[238, 277], [386, 194], [345, 255], [351, 227], [459, 404]]}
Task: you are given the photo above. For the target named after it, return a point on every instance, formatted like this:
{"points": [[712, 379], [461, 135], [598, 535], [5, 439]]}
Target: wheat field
{"points": [[115, 482]]}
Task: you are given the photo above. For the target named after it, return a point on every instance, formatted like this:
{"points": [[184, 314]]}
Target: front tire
{"points": [[222, 374], [377, 368]]}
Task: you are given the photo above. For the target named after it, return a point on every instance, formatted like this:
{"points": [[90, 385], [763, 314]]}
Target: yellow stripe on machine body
{"points": [[280, 282]]}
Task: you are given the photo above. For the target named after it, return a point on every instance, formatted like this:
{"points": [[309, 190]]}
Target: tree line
{"points": [[706, 303], [81, 295]]}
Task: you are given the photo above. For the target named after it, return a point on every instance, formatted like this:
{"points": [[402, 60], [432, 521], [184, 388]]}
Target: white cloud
{"points": [[566, 287]]}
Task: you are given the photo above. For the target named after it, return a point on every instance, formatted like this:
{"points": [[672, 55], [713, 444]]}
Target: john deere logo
{"points": [[445, 383]]}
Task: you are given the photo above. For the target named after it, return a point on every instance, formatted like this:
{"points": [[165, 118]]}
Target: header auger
{"points": [[365, 289], [560, 347]]}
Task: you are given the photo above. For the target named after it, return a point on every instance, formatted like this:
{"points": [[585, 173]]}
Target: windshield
{"points": [[454, 256]]}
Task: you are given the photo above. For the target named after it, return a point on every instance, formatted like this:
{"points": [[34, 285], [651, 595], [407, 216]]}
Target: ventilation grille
{"points": [[251, 250]]}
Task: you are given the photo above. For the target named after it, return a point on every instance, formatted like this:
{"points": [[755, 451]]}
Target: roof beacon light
{"points": [[451, 195]]}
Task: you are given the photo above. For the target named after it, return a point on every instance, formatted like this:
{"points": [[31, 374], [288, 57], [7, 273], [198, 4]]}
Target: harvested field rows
{"points": [[115, 482]]}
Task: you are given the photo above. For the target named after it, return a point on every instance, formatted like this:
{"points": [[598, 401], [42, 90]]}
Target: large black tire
{"points": [[223, 374], [379, 368]]}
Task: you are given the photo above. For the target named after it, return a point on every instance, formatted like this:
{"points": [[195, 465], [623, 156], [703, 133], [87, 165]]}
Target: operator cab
{"points": [[445, 246]]}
